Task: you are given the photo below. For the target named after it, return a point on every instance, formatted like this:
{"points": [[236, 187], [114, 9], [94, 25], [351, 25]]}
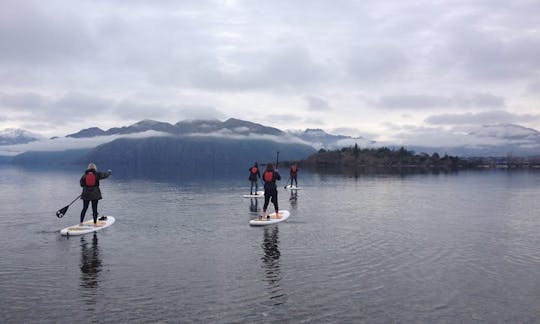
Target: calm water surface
{"points": [[460, 248]]}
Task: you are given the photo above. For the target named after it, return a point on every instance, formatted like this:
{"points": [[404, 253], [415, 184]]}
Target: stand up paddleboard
{"points": [[259, 194], [283, 215], [88, 227], [289, 187]]}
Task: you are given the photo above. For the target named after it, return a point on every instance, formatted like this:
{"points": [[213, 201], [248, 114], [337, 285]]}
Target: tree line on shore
{"points": [[387, 158]]}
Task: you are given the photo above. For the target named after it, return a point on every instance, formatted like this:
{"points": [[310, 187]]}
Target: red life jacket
{"points": [[90, 179], [293, 169], [254, 170], [268, 176]]}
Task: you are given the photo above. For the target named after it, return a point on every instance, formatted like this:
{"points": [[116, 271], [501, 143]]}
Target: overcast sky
{"points": [[371, 68]]}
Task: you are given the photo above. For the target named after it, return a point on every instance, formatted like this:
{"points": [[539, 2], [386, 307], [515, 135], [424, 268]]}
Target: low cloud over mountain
{"points": [[459, 139]]}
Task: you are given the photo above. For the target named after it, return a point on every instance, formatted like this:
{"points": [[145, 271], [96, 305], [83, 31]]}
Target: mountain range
{"points": [[12, 136], [231, 126], [188, 149], [488, 140]]}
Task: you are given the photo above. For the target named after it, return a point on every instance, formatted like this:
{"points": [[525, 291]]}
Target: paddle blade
{"points": [[61, 212]]}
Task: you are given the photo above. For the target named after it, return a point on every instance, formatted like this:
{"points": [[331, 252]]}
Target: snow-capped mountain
{"points": [[12, 136], [231, 126], [487, 140], [139, 127], [318, 138], [507, 132]]}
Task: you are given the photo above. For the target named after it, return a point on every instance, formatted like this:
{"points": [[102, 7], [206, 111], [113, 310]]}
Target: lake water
{"points": [[457, 248]]}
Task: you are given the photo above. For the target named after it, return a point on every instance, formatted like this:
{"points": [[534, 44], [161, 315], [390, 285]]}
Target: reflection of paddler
{"points": [[294, 197], [254, 207], [270, 264], [271, 252], [270, 176], [90, 262]]}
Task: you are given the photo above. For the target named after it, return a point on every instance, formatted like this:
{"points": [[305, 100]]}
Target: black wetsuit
{"points": [[253, 178], [270, 190], [294, 174], [91, 194]]}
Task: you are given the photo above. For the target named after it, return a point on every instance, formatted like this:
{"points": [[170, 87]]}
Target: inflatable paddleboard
{"points": [[259, 194], [292, 187], [88, 227], [283, 215]]}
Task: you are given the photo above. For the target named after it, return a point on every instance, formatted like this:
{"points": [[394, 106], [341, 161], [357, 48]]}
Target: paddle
{"points": [[277, 160], [61, 212], [285, 187]]}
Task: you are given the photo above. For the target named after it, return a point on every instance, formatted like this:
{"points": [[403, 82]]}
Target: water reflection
{"points": [[254, 206], [293, 199], [91, 264], [270, 259]]}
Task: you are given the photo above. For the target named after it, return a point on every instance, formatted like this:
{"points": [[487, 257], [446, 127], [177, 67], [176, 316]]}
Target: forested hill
{"points": [[385, 158], [190, 157]]}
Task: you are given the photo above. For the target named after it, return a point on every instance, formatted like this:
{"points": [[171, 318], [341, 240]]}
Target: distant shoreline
{"points": [[385, 160]]}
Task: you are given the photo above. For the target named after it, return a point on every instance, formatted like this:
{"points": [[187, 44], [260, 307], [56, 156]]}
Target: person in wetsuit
{"points": [[294, 174], [91, 193], [254, 174], [270, 176]]}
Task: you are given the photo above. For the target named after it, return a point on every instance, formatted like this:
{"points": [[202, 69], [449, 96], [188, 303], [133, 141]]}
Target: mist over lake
{"points": [[458, 247]]}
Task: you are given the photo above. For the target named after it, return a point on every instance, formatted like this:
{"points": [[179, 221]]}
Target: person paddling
{"points": [[270, 176], [91, 192], [254, 174], [294, 174]]}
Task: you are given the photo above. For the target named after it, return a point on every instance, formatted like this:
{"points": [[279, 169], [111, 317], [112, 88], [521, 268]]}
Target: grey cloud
{"points": [[281, 118], [486, 45], [131, 110], [187, 50], [278, 68], [24, 100], [534, 88], [480, 100], [412, 101], [76, 106], [313, 121], [468, 136], [317, 104], [72, 105], [482, 118], [354, 132], [489, 59], [276, 48], [81, 103], [477, 100], [67, 143], [282, 68], [198, 112], [36, 32], [376, 63]]}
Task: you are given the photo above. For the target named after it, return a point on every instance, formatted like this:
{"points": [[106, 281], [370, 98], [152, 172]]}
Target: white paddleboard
{"points": [[88, 227], [283, 215], [289, 187], [259, 194]]}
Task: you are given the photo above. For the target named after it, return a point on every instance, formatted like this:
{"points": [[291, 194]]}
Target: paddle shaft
{"points": [[62, 211], [74, 200]]}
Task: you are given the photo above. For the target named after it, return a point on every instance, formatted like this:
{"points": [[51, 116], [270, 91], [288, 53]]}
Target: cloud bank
{"points": [[67, 65]]}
